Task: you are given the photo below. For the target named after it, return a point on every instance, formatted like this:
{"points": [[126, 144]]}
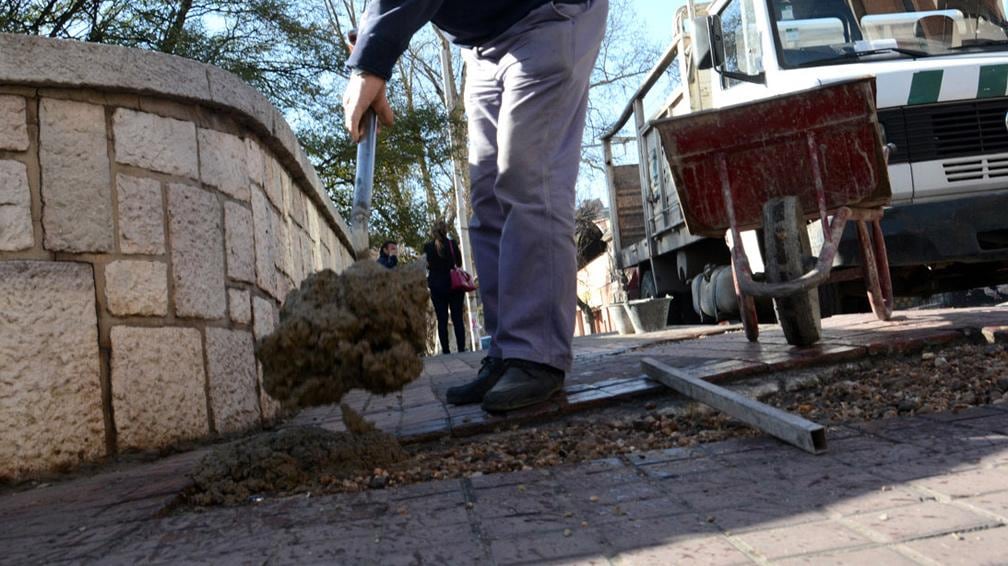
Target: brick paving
{"points": [[880, 495], [919, 490]]}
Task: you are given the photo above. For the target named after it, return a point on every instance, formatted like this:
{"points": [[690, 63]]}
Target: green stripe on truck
{"points": [[925, 87], [993, 81]]}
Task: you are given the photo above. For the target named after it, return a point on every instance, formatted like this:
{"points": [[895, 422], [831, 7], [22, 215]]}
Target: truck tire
{"points": [[787, 247]]}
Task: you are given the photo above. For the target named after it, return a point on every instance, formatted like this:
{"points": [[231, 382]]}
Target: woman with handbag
{"points": [[447, 283]]}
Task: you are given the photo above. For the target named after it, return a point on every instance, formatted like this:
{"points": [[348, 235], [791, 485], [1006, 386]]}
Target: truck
{"points": [[941, 75]]}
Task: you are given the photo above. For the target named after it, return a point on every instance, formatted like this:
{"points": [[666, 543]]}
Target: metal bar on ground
{"points": [[803, 433]]}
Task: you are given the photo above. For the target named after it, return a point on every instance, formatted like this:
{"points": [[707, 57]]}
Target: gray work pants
{"points": [[526, 96]]}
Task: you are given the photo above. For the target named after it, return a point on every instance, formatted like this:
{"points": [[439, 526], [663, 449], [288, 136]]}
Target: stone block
{"points": [[158, 386], [153, 142], [16, 232], [255, 161], [240, 242], [197, 252], [284, 133], [40, 60], [264, 312], [240, 306], [50, 377], [296, 205], [284, 286], [298, 267], [76, 183], [263, 227], [229, 90], [273, 181], [231, 363], [137, 288], [222, 163], [282, 254], [312, 216], [308, 255], [13, 123], [141, 216]]}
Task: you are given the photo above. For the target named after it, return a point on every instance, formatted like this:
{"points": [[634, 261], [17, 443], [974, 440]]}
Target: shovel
{"points": [[363, 185]]}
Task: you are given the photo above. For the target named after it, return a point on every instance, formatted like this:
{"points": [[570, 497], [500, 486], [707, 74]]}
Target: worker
{"points": [[528, 64]]}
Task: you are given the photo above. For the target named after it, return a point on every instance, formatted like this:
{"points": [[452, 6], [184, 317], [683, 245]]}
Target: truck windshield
{"points": [[810, 32]]}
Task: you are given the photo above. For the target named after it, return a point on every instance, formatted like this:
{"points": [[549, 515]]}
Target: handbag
{"points": [[461, 280]]}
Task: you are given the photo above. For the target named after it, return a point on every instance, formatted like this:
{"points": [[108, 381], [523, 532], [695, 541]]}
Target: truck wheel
{"points": [[787, 246]]}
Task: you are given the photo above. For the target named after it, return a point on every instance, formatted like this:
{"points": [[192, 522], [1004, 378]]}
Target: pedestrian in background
{"points": [[528, 64], [443, 255], [388, 255]]}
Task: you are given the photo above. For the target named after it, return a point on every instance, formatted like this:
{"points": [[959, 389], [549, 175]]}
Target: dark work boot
{"points": [[473, 392], [523, 384]]}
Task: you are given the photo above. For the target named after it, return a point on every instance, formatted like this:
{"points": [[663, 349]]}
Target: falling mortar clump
{"points": [[364, 328]]}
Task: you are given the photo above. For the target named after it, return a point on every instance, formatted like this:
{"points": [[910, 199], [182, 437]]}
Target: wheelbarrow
{"points": [[775, 165]]}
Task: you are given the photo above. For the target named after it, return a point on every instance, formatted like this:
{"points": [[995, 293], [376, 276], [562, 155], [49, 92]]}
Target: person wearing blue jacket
{"points": [[528, 64], [388, 254]]}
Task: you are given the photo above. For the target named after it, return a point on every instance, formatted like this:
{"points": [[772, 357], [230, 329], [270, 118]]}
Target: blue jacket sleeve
{"points": [[385, 32]]}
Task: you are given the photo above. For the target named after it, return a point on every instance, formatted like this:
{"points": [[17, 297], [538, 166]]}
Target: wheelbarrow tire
{"points": [[787, 248]]}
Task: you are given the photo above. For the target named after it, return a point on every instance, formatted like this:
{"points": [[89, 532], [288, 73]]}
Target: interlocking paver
{"points": [[802, 539], [701, 551], [552, 546], [992, 503], [966, 484], [876, 555], [925, 519], [985, 547]]}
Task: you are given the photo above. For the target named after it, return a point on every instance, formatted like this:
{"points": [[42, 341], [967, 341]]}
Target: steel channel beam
{"points": [[803, 433]]}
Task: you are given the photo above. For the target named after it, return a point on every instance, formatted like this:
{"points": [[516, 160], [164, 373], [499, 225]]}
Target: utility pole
{"points": [[461, 206]]}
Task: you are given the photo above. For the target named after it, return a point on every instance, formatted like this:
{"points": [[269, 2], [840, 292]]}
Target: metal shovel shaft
{"points": [[363, 185]]}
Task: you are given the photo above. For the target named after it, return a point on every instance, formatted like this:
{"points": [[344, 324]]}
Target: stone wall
{"points": [[153, 214]]}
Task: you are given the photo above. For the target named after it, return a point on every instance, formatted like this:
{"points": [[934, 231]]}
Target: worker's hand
{"points": [[364, 91]]}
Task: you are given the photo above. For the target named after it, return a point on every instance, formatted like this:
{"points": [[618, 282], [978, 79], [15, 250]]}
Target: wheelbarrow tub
{"points": [[768, 145]]}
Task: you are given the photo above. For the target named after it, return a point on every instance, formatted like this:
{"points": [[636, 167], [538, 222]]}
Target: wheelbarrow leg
{"points": [[739, 261], [876, 269], [747, 305]]}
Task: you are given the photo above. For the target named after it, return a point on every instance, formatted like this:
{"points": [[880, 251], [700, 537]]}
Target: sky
{"points": [[658, 19], [657, 15]]}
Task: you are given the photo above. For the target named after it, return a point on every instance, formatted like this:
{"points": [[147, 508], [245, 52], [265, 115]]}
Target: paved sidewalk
{"points": [[904, 491], [921, 490]]}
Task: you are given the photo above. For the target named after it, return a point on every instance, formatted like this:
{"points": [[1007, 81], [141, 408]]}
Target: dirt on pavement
{"points": [[945, 379], [291, 460], [363, 328]]}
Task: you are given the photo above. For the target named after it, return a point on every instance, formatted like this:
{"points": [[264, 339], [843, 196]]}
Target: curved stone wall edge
{"points": [[39, 62]]}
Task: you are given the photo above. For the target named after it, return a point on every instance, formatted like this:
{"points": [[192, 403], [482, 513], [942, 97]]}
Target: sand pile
{"points": [[291, 460], [364, 328]]}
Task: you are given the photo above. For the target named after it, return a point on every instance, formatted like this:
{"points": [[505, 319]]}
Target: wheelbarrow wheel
{"points": [[787, 247]]}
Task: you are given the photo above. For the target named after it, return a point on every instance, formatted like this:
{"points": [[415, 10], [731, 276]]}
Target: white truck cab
{"points": [[941, 70]]}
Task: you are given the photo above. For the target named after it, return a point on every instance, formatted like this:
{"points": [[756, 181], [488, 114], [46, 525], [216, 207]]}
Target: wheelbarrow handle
{"points": [[363, 184]]}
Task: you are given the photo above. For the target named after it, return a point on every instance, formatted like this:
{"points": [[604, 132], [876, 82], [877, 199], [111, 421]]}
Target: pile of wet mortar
{"points": [[364, 328]]}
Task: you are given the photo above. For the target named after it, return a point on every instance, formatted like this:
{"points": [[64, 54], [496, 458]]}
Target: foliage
{"points": [[292, 51]]}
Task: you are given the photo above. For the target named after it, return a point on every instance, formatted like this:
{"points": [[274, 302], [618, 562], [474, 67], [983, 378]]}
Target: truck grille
{"points": [[949, 130]]}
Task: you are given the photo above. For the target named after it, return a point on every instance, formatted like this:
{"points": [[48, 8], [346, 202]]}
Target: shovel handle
{"points": [[364, 183]]}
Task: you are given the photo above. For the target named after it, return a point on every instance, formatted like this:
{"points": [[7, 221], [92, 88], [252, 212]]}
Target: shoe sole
{"points": [[524, 404]]}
